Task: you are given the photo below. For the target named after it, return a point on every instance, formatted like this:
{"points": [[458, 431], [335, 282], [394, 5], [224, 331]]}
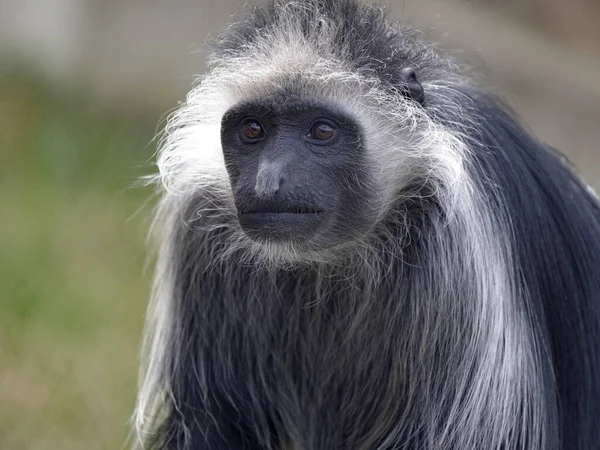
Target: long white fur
{"points": [[190, 159]]}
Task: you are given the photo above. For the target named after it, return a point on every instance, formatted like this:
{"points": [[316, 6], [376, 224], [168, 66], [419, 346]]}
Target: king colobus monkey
{"points": [[361, 249]]}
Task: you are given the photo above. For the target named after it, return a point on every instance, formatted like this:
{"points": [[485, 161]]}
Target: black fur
{"points": [[556, 240]]}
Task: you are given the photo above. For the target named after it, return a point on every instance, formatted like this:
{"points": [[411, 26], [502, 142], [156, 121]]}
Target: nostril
{"points": [[269, 177], [267, 185]]}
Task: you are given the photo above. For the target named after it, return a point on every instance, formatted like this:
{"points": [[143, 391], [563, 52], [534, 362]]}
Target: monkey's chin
{"points": [[281, 226]]}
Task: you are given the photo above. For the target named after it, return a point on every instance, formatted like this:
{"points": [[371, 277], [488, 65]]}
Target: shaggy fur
{"points": [[467, 318]]}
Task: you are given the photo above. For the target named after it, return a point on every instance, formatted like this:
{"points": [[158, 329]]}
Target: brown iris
{"points": [[322, 131], [252, 130]]}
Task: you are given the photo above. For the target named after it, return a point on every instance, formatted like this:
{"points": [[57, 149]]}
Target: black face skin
{"points": [[298, 172]]}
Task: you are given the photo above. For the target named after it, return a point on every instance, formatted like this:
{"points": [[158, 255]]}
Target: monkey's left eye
{"points": [[252, 130], [321, 131]]}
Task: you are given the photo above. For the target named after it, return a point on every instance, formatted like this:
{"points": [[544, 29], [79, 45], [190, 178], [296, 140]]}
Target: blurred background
{"points": [[83, 87]]}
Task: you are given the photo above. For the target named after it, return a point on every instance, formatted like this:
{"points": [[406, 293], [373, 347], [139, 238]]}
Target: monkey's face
{"points": [[298, 173]]}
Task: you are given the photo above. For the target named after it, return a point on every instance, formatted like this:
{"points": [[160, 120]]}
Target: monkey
{"points": [[359, 246]]}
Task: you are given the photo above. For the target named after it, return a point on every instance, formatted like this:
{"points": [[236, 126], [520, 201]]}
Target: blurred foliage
{"points": [[72, 281]]}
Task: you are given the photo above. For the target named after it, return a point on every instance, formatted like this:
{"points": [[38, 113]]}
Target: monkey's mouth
{"points": [[277, 222], [282, 209]]}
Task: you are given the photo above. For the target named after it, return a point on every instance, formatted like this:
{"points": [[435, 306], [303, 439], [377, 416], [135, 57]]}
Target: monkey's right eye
{"points": [[252, 130]]}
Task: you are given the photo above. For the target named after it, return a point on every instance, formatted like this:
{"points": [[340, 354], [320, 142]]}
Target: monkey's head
{"points": [[309, 127]]}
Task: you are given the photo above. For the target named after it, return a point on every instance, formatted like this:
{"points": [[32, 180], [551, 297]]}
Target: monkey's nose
{"points": [[269, 179]]}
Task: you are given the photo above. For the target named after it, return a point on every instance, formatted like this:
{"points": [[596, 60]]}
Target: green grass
{"points": [[72, 282]]}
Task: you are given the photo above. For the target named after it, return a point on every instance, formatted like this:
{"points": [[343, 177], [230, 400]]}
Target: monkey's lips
{"points": [[277, 222]]}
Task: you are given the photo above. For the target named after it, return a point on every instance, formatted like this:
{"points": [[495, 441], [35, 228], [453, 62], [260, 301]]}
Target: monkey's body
{"points": [[466, 315]]}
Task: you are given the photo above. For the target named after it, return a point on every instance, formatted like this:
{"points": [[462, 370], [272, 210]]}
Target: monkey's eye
{"points": [[252, 130], [321, 131]]}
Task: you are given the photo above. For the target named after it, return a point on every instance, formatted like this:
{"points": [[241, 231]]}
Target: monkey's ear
{"points": [[412, 88]]}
